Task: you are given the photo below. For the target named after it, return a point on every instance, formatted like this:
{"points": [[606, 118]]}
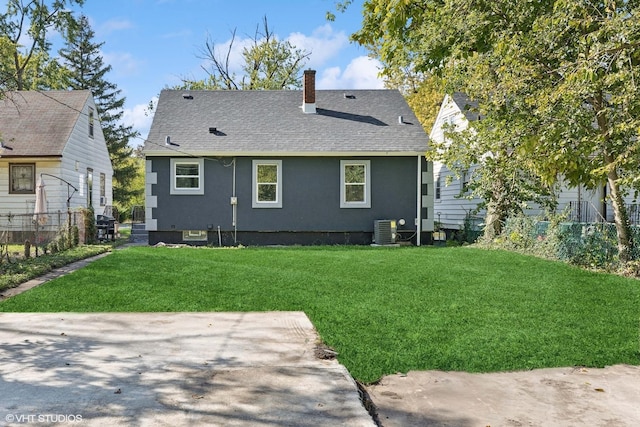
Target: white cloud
{"points": [[361, 73], [323, 44], [236, 61], [140, 118]]}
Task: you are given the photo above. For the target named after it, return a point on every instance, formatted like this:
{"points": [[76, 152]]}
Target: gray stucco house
{"points": [[286, 167]]}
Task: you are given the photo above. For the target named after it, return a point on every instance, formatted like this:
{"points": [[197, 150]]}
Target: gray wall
{"points": [[311, 197]]}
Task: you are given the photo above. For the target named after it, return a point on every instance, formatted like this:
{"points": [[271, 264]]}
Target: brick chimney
{"points": [[309, 92]]}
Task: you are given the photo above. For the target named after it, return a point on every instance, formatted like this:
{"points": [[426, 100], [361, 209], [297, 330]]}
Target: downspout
{"points": [[419, 202], [234, 206]]}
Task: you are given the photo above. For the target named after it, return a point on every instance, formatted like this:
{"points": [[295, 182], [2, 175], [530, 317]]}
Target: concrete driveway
{"points": [[173, 369]]}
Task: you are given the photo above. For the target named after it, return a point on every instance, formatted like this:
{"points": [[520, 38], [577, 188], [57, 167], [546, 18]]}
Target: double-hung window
{"points": [[187, 176], [103, 189], [355, 184], [464, 183], [22, 178], [267, 184]]}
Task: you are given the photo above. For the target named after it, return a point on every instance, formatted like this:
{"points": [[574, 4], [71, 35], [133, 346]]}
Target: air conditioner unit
{"points": [[384, 232]]}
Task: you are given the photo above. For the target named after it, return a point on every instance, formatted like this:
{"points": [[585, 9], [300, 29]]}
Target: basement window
{"points": [[194, 235]]}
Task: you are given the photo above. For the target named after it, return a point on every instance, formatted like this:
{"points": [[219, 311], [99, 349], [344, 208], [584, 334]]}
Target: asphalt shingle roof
{"points": [[255, 122], [34, 123]]}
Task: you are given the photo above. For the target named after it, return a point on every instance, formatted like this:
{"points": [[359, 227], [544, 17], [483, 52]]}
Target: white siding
{"points": [[83, 152], [24, 203], [80, 153], [451, 209]]}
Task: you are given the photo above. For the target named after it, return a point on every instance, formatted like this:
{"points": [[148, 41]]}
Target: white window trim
{"points": [[194, 235], [254, 188], [367, 185], [187, 191], [91, 130]]}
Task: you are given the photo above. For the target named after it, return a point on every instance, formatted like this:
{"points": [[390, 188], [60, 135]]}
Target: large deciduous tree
{"points": [[86, 70], [561, 75], [588, 58], [24, 31]]}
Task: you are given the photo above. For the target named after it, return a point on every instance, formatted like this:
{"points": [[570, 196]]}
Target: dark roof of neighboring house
{"points": [[34, 123], [468, 107], [272, 122]]}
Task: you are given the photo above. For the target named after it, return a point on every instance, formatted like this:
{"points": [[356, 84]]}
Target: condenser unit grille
{"points": [[384, 232]]}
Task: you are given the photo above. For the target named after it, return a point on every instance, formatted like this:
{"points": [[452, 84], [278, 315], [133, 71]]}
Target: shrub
{"points": [[89, 225], [585, 245]]}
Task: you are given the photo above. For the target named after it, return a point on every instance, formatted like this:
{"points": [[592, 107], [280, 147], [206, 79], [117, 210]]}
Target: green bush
{"points": [[90, 227], [585, 245], [589, 245]]}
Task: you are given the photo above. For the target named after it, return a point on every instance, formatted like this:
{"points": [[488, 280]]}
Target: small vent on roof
{"points": [[349, 96], [187, 96], [168, 142]]}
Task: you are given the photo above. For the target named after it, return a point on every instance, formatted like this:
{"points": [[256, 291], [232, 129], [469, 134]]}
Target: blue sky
{"points": [[152, 43]]}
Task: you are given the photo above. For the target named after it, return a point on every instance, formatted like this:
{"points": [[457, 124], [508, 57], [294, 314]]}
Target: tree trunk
{"points": [[497, 208], [621, 217], [493, 222]]}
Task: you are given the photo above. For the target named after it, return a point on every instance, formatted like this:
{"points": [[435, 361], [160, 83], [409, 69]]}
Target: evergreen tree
{"points": [[87, 70]]}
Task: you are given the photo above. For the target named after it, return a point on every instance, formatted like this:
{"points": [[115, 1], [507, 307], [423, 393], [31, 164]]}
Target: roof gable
{"points": [[39, 123], [272, 122], [467, 106]]}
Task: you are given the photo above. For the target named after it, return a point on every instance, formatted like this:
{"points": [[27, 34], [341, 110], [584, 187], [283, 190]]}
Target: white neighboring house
{"points": [[450, 209], [53, 133]]}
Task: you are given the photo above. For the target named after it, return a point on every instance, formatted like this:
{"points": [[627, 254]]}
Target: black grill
{"points": [[106, 228]]}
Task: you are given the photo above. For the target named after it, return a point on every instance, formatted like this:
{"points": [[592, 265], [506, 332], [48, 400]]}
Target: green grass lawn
{"points": [[385, 310]]}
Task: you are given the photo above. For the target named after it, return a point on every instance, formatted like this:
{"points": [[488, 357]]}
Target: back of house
{"points": [[286, 167]]}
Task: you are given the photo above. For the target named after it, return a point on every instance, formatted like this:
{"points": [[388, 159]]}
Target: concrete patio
{"points": [[173, 369]]}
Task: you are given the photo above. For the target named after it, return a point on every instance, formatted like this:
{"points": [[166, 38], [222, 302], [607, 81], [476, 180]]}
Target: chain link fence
{"points": [[40, 230], [591, 244]]}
